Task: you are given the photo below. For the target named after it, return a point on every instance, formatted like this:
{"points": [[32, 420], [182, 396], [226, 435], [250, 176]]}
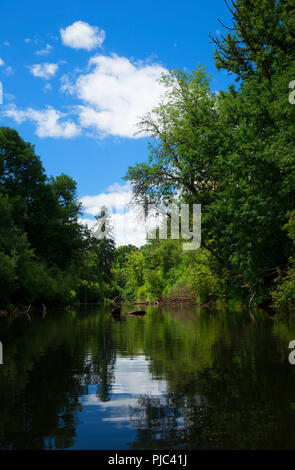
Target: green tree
{"points": [[46, 255], [232, 153], [260, 39]]}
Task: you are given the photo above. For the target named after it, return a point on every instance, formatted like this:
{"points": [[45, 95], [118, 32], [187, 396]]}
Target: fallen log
{"points": [[139, 313], [116, 312]]}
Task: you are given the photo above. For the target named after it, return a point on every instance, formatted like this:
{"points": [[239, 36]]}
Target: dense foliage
{"points": [[233, 152], [161, 271], [46, 256]]}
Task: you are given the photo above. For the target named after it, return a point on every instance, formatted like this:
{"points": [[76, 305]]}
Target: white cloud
{"points": [[47, 49], [129, 228], [128, 222], [115, 93], [116, 197], [27, 40], [81, 35], [7, 69], [49, 122], [111, 94], [9, 96], [47, 87], [6, 43], [45, 70]]}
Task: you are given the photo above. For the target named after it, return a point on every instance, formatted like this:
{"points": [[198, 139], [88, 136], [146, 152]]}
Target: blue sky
{"points": [[76, 74]]}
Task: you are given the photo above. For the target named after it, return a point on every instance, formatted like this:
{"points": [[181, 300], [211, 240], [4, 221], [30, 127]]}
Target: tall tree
{"points": [[232, 153], [261, 37]]}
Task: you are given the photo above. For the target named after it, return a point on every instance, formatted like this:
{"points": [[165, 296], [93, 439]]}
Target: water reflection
{"points": [[175, 378]]}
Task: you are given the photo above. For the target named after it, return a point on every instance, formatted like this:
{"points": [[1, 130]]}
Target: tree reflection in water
{"points": [[225, 383]]}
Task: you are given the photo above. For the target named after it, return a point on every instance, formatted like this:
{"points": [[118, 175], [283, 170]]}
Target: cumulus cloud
{"points": [[1, 62], [45, 51], [116, 197], [81, 35], [115, 93], [49, 122], [128, 221], [45, 70]]}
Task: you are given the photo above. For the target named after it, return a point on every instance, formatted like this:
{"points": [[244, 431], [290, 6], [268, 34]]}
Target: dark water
{"points": [[173, 379]]}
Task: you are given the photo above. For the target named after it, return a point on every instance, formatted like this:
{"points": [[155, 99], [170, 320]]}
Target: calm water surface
{"points": [[175, 378]]}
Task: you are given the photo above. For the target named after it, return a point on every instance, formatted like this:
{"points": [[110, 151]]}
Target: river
{"points": [[177, 378]]}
